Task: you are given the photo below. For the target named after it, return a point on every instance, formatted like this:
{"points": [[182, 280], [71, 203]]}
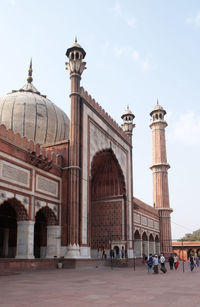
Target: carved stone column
{"points": [[53, 241], [25, 239]]}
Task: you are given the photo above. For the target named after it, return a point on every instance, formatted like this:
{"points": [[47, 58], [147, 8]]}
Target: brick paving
{"points": [[100, 287]]}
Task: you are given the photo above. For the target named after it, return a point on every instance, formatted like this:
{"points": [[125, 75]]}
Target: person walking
{"points": [[197, 260], [155, 264], [171, 261], [191, 263], [123, 252], [162, 263], [176, 262], [150, 263], [112, 255]]}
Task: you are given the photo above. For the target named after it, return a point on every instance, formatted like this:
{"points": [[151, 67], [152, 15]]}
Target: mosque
{"points": [[66, 185]]}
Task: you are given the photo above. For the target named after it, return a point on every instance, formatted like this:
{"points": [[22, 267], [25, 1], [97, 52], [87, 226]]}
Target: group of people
{"points": [[153, 262]]}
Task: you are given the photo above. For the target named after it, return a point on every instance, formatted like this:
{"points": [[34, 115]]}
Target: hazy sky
{"points": [[137, 51]]}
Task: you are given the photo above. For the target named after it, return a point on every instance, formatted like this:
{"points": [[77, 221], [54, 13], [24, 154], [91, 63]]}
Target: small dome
{"points": [[127, 112], [33, 115], [75, 46], [157, 108]]}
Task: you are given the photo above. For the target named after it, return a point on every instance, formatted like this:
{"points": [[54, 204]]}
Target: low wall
{"points": [[17, 265]]}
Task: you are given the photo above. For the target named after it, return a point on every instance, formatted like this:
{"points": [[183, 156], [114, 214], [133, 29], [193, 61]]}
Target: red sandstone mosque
{"points": [[66, 185]]}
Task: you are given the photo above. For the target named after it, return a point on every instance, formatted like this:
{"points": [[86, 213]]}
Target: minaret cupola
{"points": [[158, 112], [76, 54], [128, 124]]}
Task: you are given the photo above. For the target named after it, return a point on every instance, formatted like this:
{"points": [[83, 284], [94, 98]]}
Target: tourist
{"points": [[197, 260], [155, 264], [162, 263], [176, 262], [171, 261], [122, 252], [150, 263], [112, 255], [192, 265], [103, 253]]}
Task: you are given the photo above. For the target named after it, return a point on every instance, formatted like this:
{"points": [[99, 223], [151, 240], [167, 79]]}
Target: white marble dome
{"points": [[31, 114]]}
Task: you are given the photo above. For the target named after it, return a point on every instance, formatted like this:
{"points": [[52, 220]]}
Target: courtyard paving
{"points": [[100, 287]]}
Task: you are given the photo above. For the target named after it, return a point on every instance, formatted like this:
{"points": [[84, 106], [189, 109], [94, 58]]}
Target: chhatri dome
{"points": [[31, 114]]}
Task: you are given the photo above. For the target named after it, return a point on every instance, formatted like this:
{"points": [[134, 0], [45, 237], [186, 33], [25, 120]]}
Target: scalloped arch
{"points": [[49, 215], [20, 210]]}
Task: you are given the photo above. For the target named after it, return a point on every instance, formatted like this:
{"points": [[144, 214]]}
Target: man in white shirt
{"points": [[162, 263], [155, 264]]}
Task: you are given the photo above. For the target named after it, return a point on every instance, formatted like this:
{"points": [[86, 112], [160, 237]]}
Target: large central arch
{"points": [[108, 206]]}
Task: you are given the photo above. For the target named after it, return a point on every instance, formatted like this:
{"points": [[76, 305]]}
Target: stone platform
{"points": [[19, 265]]}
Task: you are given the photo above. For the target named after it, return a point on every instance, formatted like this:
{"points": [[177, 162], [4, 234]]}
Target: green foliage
{"points": [[195, 236]]}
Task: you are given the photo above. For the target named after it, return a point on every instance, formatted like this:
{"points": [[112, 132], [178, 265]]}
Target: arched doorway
{"points": [[137, 244], [108, 202], [144, 245], [45, 217], [151, 244], [11, 212]]}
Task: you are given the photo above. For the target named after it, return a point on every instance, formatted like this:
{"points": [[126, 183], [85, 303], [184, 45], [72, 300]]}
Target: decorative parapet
{"points": [[96, 106], [37, 155]]}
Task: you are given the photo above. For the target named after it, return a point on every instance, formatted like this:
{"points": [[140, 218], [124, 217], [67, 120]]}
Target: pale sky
{"points": [[137, 51]]}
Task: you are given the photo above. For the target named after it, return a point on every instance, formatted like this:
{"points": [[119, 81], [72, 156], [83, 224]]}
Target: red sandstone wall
{"points": [[106, 219]]}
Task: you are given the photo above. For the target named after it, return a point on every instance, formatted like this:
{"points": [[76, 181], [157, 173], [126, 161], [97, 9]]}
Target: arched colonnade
{"points": [[23, 238], [145, 243]]}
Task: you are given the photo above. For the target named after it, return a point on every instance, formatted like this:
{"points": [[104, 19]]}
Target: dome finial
{"points": [[30, 71], [157, 102], [75, 39]]}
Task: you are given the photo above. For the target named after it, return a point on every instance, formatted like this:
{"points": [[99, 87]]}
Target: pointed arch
{"points": [[151, 238], [107, 178], [137, 235], [144, 236], [18, 207], [12, 211], [48, 214], [108, 201]]}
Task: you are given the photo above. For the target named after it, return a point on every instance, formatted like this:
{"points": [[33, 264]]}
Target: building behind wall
{"points": [[66, 186]]}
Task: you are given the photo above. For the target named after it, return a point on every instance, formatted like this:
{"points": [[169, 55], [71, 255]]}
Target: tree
{"points": [[194, 236]]}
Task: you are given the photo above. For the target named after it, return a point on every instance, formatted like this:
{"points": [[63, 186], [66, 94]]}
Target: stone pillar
{"points": [[157, 251], [160, 177], [141, 248], [137, 248], [151, 247], [53, 241], [75, 66], [145, 247], [154, 247], [5, 243], [25, 240]]}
